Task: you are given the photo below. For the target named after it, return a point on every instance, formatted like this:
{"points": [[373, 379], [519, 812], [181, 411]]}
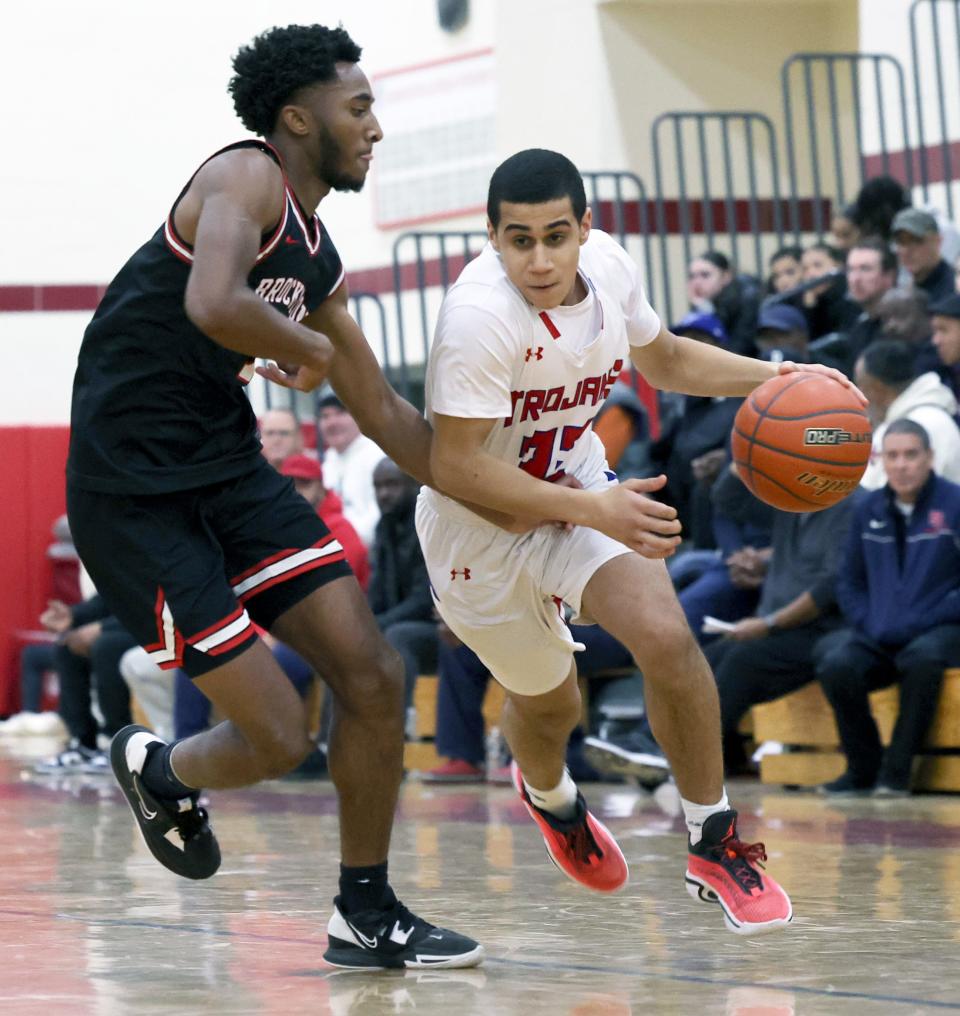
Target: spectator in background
{"points": [[956, 273], [916, 239], [782, 334], [280, 435], [307, 476], [770, 654], [876, 204], [871, 273], [844, 233], [714, 288], [399, 592], [349, 460], [884, 373], [765, 656], [899, 587], [905, 317], [786, 270], [946, 337], [826, 306], [698, 433], [88, 656]]}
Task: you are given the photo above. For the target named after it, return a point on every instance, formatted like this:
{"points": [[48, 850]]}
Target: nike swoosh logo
{"points": [[400, 936], [370, 943], [144, 810]]}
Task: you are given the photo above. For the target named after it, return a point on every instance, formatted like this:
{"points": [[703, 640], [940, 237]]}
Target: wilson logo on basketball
{"points": [[833, 436], [825, 484]]}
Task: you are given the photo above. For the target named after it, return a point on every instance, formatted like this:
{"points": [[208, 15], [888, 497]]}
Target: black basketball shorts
{"points": [[189, 572]]}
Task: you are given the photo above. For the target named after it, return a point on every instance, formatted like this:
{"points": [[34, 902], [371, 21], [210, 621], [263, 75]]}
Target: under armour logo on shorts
{"points": [[538, 353], [465, 572]]}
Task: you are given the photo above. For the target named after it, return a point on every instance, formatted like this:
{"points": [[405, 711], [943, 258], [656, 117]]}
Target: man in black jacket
{"points": [[399, 592]]}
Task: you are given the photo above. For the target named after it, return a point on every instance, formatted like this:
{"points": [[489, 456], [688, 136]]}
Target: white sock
{"points": [[561, 801], [697, 814]]}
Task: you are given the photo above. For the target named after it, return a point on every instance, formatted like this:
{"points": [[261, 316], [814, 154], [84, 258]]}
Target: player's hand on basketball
{"points": [[649, 527], [789, 367], [748, 629]]}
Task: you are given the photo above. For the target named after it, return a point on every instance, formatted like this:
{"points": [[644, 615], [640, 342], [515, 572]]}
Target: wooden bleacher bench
{"points": [[803, 722], [421, 754]]}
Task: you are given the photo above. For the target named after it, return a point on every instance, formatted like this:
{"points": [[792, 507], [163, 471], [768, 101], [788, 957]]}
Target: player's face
{"points": [[946, 337], [907, 464], [345, 128], [539, 246]]}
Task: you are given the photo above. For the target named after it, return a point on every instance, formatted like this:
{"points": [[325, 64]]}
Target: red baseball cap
{"points": [[302, 467]]}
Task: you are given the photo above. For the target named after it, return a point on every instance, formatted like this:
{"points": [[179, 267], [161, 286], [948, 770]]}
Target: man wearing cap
{"points": [[946, 338], [348, 464], [307, 476], [916, 239]]}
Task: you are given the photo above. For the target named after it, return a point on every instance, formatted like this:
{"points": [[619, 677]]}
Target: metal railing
{"points": [[822, 74], [728, 163], [941, 57]]}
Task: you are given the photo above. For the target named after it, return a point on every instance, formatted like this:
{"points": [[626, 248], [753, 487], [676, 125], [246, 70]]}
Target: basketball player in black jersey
{"points": [[187, 532]]}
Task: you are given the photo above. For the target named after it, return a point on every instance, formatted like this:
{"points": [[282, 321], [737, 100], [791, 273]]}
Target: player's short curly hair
{"points": [[278, 62]]}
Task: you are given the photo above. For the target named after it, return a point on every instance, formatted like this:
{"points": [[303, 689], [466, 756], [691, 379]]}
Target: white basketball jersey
{"points": [[543, 374]]}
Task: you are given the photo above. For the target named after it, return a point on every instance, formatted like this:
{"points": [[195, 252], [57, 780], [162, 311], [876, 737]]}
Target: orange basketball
{"points": [[801, 442]]}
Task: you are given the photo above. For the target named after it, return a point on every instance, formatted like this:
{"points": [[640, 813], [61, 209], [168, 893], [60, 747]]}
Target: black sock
{"points": [[365, 888], [158, 776]]}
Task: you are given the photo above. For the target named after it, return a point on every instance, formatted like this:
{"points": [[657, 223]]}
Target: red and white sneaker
{"points": [[722, 869], [581, 847]]}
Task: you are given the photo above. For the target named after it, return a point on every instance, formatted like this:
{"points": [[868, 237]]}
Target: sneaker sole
{"points": [[351, 959], [609, 759], [702, 892]]}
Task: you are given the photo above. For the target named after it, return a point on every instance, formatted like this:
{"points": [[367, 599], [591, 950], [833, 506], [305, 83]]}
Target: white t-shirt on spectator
{"points": [[350, 474]]}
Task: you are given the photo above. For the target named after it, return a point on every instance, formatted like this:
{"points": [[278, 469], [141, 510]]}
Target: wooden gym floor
{"points": [[90, 924]]}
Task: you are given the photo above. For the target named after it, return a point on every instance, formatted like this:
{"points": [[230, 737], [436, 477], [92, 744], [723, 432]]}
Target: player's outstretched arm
{"points": [[463, 469], [381, 414], [676, 363], [231, 202]]}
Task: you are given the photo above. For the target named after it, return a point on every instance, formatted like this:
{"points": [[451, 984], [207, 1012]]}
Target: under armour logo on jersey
{"points": [[465, 572], [538, 353]]}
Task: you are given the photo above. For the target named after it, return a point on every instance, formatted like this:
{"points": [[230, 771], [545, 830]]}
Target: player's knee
{"points": [[282, 752], [666, 646], [375, 689]]}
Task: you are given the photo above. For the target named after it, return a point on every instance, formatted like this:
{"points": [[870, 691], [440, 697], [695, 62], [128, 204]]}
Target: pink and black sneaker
{"points": [[723, 869], [581, 847]]}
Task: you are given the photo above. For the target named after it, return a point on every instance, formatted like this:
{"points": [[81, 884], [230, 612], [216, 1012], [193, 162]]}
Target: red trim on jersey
{"points": [[222, 623], [248, 634], [312, 245], [322, 542], [161, 642], [550, 326], [292, 574]]}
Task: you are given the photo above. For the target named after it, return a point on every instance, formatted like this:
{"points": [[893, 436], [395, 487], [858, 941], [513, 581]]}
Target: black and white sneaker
{"points": [[395, 938], [176, 832], [75, 758], [634, 753]]}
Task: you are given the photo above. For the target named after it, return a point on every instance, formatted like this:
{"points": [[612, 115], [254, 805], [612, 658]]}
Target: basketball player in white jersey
{"points": [[529, 342]]}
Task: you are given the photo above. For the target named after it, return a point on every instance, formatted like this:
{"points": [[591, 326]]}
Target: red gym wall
{"points": [[32, 496]]}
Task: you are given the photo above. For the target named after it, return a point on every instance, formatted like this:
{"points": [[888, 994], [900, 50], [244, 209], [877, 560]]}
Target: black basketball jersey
{"points": [[157, 405]]}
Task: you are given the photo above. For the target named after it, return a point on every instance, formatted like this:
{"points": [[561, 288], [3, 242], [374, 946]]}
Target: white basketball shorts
{"points": [[502, 594]]}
